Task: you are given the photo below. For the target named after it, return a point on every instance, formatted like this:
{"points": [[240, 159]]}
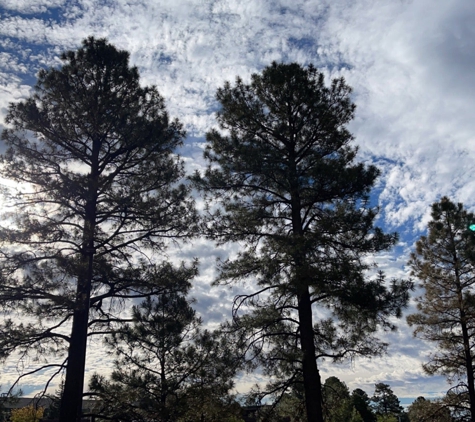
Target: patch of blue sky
{"points": [[303, 43], [54, 14], [406, 401], [29, 55], [165, 59]]}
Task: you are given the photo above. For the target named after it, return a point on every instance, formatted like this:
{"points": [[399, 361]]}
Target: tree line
{"points": [[338, 406], [99, 195]]}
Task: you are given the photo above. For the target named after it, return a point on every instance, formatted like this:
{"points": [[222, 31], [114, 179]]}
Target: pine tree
{"points": [[385, 401], [422, 410], [444, 263], [167, 368], [291, 407], [362, 404], [97, 194], [337, 403], [283, 180]]}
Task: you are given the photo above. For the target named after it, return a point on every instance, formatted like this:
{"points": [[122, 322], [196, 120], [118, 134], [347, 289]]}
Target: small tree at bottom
{"points": [[27, 414], [386, 403], [168, 368], [422, 410]]}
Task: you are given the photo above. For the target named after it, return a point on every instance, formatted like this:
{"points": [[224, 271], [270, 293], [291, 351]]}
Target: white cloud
{"points": [[410, 64], [30, 6], [410, 69]]}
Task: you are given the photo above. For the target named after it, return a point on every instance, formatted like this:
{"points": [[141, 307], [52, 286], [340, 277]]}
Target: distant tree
{"points": [[456, 400], [27, 414], [340, 406], [422, 410], [6, 400], [356, 416], [386, 418], [362, 403], [291, 407], [53, 410], [284, 181], [336, 400], [96, 194], [444, 262], [385, 402], [167, 368]]}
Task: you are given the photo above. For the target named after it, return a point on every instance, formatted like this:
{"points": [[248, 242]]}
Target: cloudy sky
{"points": [[411, 64]]}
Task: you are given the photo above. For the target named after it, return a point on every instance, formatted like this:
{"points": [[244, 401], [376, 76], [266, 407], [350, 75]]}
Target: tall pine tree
{"points": [[444, 262], [283, 180], [97, 194]]}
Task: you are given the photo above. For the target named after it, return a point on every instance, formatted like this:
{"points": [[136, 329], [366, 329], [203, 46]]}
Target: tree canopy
{"points": [[422, 410], [385, 402], [284, 180], [167, 368], [27, 414], [444, 263], [362, 403], [97, 194], [336, 400]]}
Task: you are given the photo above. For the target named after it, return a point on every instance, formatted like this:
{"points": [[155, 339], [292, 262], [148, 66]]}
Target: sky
{"points": [[412, 68]]}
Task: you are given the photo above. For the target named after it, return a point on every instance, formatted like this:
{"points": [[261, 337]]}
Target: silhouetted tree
{"points": [[422, 410], [444, 262], [97, 193], [284, 181], [291, 406], [167, 368], [385, 402], [336, 399], [362, 403]]}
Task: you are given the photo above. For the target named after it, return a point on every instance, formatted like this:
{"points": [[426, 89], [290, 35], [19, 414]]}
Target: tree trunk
{"points": [[469, 366], [467, 354], [311, 376], [71, 402], [463, 325]]}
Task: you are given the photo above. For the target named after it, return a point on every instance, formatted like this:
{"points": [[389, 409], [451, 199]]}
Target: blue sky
{"points": [[411, 64]]}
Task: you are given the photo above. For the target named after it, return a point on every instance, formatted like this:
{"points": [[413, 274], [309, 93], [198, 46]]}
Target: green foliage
{"points": [[444, 263], [97, 192], [340, 406], [422, 410], [337, 402], [27, 414], [386, 418], [283, 179], [385, 402], [167, 368], [362, 403], [356, 416], [291, 407]]}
